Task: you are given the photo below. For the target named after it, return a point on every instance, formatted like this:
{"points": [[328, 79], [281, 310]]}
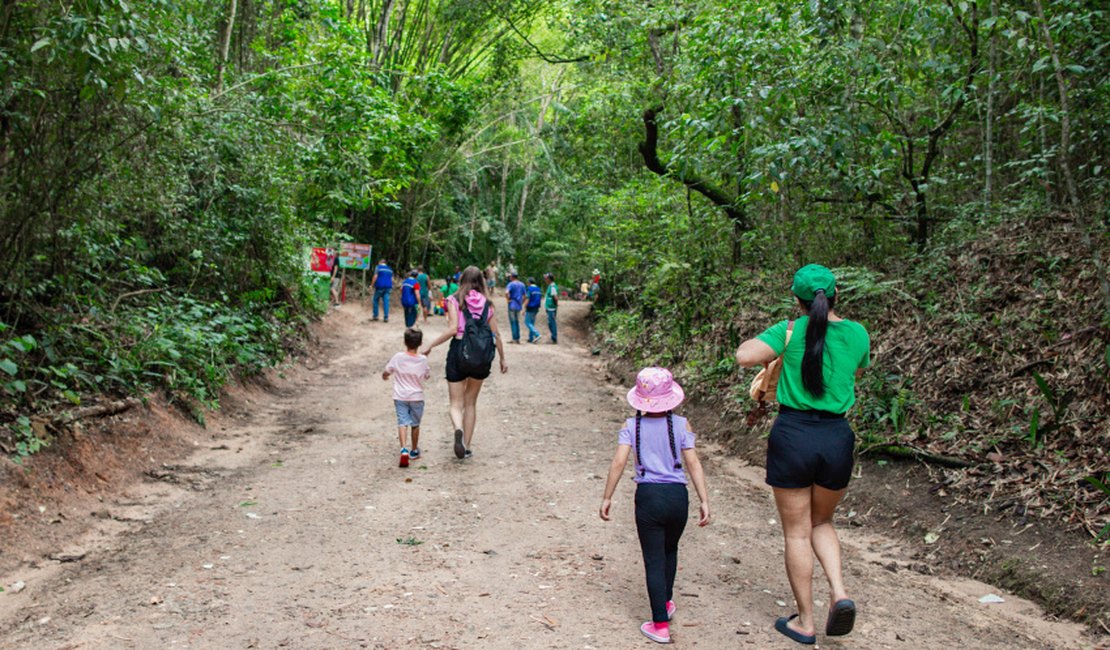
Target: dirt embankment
{"points": [[291, 526]]}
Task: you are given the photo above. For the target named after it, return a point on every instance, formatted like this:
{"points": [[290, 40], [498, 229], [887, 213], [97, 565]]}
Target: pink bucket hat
{"points": [[655, 391]]}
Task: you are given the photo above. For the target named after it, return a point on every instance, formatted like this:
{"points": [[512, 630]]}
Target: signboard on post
{"points": [[354, 256], [320, 259]]}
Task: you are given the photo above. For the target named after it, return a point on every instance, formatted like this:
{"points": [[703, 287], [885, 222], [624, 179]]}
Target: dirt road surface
{"points": [[293, 527]]}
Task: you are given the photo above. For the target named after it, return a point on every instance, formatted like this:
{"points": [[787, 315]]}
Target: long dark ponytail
{"points": [[813, 376]]}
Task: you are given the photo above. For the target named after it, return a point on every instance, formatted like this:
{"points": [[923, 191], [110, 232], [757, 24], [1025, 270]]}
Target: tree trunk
{"points": [[988, 137], [225, 45], [380, 33], [504, 184], [1086, 227]]}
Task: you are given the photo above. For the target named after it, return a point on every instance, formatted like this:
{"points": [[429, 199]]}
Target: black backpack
{"points": [[476, 348]]}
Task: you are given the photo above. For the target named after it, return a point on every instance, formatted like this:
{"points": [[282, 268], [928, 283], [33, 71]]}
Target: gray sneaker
{"points": [[460, 446]]}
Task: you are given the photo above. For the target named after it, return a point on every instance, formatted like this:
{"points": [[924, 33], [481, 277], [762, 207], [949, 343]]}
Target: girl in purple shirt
{"points": [[664, 448]]}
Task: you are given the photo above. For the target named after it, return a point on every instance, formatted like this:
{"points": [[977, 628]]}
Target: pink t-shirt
{"points": [[409, 374]]}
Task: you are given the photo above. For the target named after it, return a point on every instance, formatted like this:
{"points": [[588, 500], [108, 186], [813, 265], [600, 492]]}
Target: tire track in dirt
{"points": [[312, 538]]}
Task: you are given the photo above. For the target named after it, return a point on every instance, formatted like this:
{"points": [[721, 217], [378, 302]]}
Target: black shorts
{"points": [[453, 372], [810, 448]]}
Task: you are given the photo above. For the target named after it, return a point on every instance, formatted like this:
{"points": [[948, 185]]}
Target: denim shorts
{"points": [[408, 413], [810, 448]]}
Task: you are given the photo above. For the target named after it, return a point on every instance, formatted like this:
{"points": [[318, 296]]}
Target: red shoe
{"points": [[404, 458]]}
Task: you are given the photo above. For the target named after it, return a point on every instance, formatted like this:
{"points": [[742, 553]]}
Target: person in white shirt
{"points": [[409, 370]]}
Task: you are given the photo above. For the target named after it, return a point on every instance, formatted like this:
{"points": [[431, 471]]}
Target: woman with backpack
{"points": [[810, 449], [472, 330]]}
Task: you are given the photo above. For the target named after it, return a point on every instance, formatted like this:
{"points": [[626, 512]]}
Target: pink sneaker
{"points": [[670, 609], [649, 630]]}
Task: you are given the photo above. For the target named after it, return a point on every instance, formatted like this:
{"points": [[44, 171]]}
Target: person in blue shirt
{"points": [[425, 291], [531, 308], [410, 297], [514, 294], [383, 285]]}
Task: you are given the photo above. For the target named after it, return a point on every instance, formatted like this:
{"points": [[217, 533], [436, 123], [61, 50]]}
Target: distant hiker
{"points": [[472, 330], [336, 283], [410, 297], [514, 295], [595, 284], [449, 289], [409, 370], [425, 291], [383, 285], [531, 308], [664, 446], [491, 278], [551, 305], [809, 452]]}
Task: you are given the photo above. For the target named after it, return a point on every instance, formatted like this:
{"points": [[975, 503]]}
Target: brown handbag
{"points": [[766, 381]]}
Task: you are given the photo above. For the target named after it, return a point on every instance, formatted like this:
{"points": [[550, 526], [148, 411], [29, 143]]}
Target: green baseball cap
{"points": [[810, 278]]}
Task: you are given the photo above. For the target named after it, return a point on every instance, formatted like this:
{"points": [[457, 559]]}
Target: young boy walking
{"points": [[409, 370]]}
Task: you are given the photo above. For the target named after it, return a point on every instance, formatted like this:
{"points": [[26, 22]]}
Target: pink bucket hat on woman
{"points": [[655, 391]]}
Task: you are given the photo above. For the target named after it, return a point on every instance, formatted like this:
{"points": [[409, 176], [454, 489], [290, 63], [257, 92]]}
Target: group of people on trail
{"points": [[529, 298], [809, 451], [809, 457], [475, 340], [520, 297], [415, 293]]}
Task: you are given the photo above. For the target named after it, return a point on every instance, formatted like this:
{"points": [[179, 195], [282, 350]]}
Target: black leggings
{"points": [[661, 512]]}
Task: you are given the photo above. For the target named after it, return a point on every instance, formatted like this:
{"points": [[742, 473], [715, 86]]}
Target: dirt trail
{"points": [[303, 533]]}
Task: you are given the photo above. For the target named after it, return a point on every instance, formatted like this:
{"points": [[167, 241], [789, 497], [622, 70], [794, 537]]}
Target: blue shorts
{"points": [[408, 413], [810, 448]]}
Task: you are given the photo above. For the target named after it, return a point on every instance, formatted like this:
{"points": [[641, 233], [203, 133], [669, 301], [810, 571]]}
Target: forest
{"points": [[166, 164]]}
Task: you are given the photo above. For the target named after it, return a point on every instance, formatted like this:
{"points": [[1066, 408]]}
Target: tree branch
{"points": [[545, 57], [649, 150]]}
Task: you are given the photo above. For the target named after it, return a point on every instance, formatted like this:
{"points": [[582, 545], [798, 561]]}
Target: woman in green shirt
{"points": [[810, 450]]}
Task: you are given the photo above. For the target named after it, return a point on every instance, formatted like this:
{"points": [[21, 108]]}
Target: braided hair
{"points": [[670, 435], [639, 462]]}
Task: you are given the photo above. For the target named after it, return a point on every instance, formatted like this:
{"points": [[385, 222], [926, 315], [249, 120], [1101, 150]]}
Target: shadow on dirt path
{"points": [[311, 537]]}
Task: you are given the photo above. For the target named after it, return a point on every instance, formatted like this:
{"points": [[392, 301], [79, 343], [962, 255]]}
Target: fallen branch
{"points": [[1030, 366], [133, 293], [99, 410], [905, 451]]}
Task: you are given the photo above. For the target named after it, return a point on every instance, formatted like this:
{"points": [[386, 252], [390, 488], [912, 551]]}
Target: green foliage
{"points": [[1058, 403], [158, 196], [1103, 486]]}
